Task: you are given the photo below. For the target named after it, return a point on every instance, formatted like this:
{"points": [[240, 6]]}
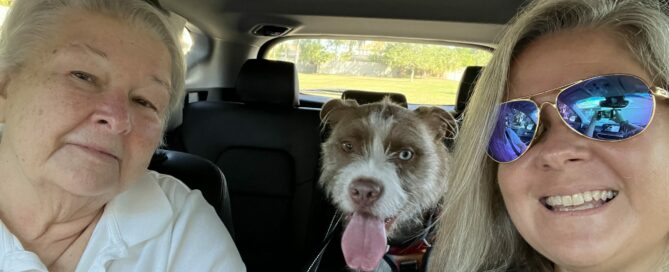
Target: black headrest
{"points": [[364, 97], [467, 84], [268, 82]]}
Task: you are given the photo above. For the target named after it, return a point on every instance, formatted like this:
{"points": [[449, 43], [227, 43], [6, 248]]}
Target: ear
{"points": [[439, 121], [334, 110]]}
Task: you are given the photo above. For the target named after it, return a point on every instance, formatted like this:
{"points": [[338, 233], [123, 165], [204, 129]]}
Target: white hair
{"points": [[30, 23]]}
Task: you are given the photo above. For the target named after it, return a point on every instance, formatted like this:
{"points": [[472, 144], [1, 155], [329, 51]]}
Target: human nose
{"points": [[557, 145], [113, 115]]}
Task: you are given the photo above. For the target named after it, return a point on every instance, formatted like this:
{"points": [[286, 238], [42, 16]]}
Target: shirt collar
{"points": [[142, 211], [13, 257]]}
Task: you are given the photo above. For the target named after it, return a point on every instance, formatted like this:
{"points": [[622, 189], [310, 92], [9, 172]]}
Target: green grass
{"points": [[428, 91]]}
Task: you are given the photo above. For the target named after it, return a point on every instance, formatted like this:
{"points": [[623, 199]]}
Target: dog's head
{"points": [[384, 165]]}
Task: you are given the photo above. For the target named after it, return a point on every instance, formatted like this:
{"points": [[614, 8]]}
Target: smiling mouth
{"points": [[578, 202]]}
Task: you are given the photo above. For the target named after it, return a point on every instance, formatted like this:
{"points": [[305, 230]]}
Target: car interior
{"points": [[249, 138]]}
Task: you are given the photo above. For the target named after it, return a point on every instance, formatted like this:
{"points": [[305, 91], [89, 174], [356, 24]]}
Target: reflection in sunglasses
{"points": [[604, 108]]}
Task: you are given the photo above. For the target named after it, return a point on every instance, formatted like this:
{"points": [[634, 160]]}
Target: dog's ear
{"points": [[334, 110], [439, 120]]}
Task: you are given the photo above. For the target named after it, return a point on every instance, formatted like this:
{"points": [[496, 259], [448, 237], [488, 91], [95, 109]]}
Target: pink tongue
{"points": [[364, 242]]}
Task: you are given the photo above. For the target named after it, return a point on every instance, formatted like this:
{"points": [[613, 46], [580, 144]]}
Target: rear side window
{"points": [[427, 74]]}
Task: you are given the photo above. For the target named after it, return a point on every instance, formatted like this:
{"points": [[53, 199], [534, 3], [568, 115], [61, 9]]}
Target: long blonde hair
{"points": [[475, 232]]}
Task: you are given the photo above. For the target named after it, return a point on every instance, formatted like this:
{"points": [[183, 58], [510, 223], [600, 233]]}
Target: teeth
{"points": [[596, 195], [578, 208], [566, 201], [587, 196], [581, 200]]}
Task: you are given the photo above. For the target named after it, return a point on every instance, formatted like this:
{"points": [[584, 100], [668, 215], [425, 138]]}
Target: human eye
{"points": [[144, 103], [79, 75]]}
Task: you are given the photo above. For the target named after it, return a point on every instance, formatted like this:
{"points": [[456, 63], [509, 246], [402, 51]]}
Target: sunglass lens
{"points": [[515, 128], [613, 107]]}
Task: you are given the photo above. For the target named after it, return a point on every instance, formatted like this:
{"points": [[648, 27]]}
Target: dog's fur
{"points": [[378, 133]]}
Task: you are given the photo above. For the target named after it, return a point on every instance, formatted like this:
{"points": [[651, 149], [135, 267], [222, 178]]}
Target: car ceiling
{"points": [[469, 21]]}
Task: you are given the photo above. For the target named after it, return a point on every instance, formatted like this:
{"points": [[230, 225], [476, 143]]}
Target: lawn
{"points": [[428, 91]]}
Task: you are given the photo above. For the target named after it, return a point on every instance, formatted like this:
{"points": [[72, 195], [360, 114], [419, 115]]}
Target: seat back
{"points": [[269, 149], [198, 174], [467, 84], [365, 97]]}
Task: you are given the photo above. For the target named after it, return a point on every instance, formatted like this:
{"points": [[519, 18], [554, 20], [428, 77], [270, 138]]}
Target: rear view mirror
{"points": [[615, 102]]}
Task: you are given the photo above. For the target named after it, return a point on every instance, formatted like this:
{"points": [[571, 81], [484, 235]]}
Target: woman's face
{"points": [[629, 230], [85, 113]]}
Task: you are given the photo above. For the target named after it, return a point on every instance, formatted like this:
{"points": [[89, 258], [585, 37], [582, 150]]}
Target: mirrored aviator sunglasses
{"points": [[606, 108]]}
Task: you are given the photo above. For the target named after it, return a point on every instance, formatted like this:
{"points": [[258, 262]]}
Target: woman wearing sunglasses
{"points": [[562, 161]]}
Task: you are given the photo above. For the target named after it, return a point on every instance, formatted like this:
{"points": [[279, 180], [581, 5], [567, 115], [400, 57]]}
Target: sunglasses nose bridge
{"points": [[541, 128], [541, 106], [548, 104], [541, 110]]}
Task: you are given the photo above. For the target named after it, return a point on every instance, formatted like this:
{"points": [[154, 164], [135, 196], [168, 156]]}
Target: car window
{"points": [[426, 74]]}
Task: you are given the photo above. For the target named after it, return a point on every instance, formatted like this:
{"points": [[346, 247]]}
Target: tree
{"points": [[280, 51], [429, 59], [401, 56], [314, 53]]}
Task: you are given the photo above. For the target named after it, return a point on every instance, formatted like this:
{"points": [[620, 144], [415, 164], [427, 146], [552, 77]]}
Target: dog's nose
{"points": [[364, 192]]}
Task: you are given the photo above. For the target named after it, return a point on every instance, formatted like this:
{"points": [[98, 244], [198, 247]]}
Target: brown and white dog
{"points": [[383, 167]]}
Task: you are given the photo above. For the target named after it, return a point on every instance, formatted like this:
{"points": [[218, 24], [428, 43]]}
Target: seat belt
{"points": [[335, 224]]}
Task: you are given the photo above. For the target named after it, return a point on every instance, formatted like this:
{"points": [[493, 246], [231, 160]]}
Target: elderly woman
{"points": [[85, 90], [580, 83]]}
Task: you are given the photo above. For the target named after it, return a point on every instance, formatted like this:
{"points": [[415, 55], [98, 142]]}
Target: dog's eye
{"points": [[406, 155], [347, 147]]}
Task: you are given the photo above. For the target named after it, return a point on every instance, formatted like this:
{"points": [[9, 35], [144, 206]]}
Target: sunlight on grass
{"points": [[428, 91]]}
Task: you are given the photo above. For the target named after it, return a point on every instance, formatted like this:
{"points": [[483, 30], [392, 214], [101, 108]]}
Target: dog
{"points": [[383, 166]]}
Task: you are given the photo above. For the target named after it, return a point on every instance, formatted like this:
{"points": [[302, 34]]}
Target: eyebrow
{"points": [[98, 52], [90, 49], [161, 82]]}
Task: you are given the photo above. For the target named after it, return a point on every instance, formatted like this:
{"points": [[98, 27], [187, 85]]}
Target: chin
{"points": [[87, 183], [577, 255], [94, 189]]}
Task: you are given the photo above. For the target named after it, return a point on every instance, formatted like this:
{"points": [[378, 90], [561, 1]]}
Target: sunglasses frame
{"points": [[654, 90]]}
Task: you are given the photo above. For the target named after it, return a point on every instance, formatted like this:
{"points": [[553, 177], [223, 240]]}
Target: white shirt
{"points": [[158, 224]]}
